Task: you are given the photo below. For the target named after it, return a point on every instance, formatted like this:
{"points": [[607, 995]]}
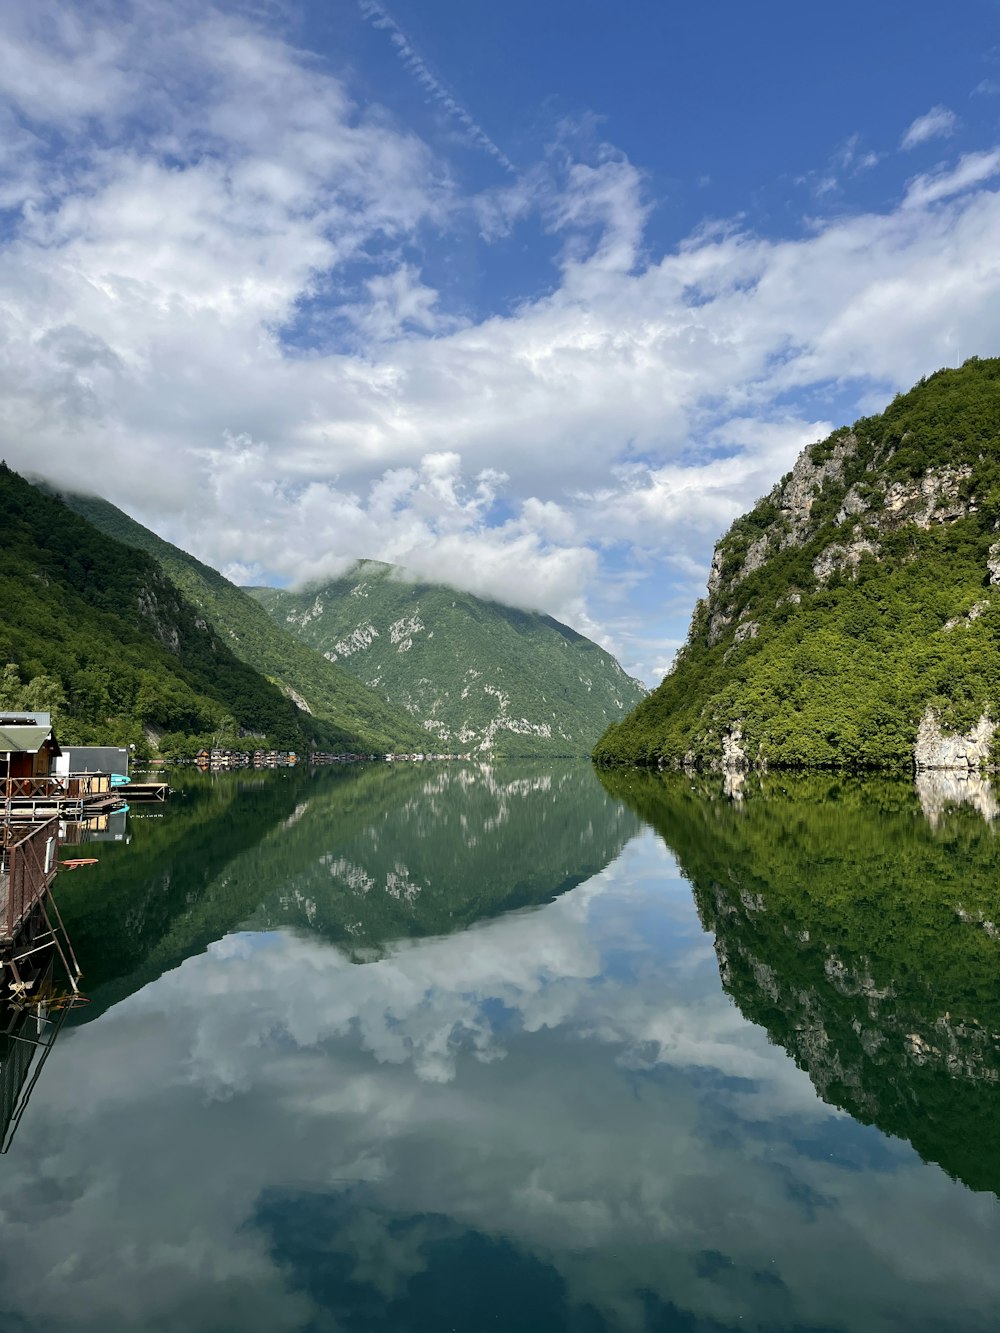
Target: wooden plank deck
{"points": [[34, 800], [143, 791], [38, 810]]}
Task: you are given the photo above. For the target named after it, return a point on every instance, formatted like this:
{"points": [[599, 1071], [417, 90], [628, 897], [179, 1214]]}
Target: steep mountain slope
{"points": [[476, 675], [852, 616], [352, 715], [98, 633]]}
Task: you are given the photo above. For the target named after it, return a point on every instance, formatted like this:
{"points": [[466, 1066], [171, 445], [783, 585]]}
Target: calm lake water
{"points": [[424, 1048]]}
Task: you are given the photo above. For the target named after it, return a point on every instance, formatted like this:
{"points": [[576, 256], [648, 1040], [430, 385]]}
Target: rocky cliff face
{"points": [[850, 616], [966, 752]]}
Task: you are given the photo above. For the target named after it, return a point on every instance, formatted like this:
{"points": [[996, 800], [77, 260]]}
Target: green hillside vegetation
{"points": [[475, 675], [95, 632], [850, 600], [860, 937], [349, 715]]}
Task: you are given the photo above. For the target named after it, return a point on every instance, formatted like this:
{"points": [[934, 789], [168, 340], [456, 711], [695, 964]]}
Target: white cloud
{"points": [[636, 404], [972, 170], [938, 123]]}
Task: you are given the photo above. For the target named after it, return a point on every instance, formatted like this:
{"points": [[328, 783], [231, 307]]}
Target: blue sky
{"points": [[536, 298]]}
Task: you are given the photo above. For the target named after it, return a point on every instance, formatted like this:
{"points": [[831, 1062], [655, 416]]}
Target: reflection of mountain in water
{"points": [[431, 856], [156, 900], [865, 940], [362, 856]]}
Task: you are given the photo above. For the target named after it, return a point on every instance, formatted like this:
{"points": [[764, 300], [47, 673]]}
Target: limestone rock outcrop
{"points": [[966, 752]]}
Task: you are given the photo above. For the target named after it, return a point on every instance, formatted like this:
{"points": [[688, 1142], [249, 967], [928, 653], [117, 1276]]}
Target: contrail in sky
{"points": [[435, 89]]}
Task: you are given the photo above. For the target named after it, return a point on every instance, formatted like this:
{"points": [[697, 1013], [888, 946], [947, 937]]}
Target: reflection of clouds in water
{"points": [[429, 1003], [634, 1126]]}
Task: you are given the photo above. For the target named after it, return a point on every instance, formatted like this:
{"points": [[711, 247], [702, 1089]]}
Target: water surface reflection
{"points": [[552, 1117], [855, 920]]}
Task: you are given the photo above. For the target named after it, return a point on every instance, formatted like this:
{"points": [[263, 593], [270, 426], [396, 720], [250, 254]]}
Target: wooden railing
{"points": [[31, 789], [74, 787], [28, 863]]}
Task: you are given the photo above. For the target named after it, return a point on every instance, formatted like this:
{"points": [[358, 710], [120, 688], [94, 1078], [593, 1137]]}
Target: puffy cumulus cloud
{"points": [[218, 313], [938, 123], [745, 457], [430, 518]]}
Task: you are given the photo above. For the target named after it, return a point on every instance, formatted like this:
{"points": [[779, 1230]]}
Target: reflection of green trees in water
{"points": [[152, 902], [861, 938], [362, 856]]}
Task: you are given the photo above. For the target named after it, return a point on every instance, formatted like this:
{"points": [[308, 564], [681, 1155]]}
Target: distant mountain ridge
{"points": [[476, 676], [853, 615], [338, 711]]}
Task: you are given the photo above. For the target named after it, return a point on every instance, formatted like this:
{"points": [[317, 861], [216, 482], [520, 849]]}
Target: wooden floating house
{"points": [[28, 865], [39, 779], [44, 790], [28, 745]]}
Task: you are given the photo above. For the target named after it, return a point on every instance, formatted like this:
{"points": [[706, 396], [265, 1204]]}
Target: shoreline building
{"points": [[28, 745]]}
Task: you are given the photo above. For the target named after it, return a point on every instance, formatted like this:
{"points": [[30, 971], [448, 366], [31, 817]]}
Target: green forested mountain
{"points": [[476, 676], [862, 936], [349, 714], [852, 616], [96, 632]]}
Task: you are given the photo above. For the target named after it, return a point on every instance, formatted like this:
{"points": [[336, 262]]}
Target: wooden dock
{"points": [[143, 791], [29, 918], [35, 800], [32, 937]]}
